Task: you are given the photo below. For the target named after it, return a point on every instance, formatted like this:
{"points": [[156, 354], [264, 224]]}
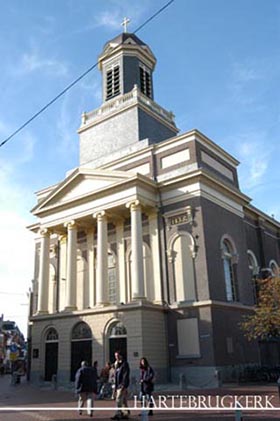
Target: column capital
{"points": [[44, 232], [99, 215], [133, 205], [70, 224]]}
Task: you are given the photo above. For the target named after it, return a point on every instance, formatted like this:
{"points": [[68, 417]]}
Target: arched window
{"points": [[274, 268], [81, 347], [181, 254], [117, 340], [118, 329], [51, 353], [253, 263], [51, 335], [229, 257], [81, 331]]}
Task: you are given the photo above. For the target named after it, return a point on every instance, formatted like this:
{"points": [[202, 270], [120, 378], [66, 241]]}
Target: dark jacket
{"points": [[147, 380], [122, 375], [86, 380]]}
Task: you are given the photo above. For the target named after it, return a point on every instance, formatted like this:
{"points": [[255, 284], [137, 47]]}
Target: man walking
{"points": [[122, 372], [85, 386]]}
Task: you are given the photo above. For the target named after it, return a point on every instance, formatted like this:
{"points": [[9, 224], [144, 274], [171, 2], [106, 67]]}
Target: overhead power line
{"points": [[34, 116], [12, 293]]}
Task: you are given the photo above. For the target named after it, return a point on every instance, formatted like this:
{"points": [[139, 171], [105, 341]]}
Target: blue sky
{"points": [[218, 70]]}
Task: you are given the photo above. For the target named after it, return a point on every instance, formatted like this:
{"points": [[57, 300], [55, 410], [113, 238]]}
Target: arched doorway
{"points": [[117, 340], [51, 354], [81, 347]]}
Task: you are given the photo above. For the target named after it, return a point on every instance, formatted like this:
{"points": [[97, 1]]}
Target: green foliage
{"points": [[265, 322]]}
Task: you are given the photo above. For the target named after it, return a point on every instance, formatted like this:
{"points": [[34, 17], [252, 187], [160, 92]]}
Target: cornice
{"points": [[259, 214], [80, 172], [131, 180], [125, 49], [121, 308], [202, 175], [134, 104], [213, 303]]}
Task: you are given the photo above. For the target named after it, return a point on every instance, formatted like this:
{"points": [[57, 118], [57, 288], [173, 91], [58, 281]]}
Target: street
{"points": [[20, 402]]}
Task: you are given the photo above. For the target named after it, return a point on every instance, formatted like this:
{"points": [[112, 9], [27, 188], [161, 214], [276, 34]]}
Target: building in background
{"points": [[148, 246], [12, 347]]}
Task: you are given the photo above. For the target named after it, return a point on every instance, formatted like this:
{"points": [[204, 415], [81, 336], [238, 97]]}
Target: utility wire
{"points": [[75, 82], [153, 16]]}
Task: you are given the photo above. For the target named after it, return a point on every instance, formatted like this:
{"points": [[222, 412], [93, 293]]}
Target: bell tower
{"points": [[125, 62], [128, 117]]}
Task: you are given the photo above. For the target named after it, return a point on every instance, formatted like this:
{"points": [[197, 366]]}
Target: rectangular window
{"points": [[229, 343], [113, 82], [188, 338]]}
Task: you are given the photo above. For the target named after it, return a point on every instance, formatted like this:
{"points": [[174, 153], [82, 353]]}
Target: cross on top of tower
{"points": [[125, 22]]}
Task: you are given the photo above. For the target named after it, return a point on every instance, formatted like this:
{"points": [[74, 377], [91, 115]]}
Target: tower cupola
{"points": [[128, 118], [126, 61]]}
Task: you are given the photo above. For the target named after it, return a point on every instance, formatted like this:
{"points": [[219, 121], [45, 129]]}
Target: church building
{"points": [[148, 246]]}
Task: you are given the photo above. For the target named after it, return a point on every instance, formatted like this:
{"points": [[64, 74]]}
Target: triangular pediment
{"points": [[81, 183], [110, 47], [130, 41]]}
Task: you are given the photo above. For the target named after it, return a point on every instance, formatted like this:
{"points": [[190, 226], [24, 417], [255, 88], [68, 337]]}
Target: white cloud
{"points": [[93, 87], [112, 18], [16, 252], [247, 81], [17, 247], [32, 62], [247, 71], [66, 130], [4, 129], [109, 20], [254, 154]]}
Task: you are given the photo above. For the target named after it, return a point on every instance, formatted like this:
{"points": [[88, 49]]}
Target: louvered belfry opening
{"points": [[113, 82]]}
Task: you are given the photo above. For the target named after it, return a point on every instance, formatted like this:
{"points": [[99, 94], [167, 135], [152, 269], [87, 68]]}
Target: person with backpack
{"points": [[86, 386], [122, 373]]}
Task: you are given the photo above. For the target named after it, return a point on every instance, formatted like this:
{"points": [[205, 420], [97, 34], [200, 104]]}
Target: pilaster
{"points": [[154, 241]]}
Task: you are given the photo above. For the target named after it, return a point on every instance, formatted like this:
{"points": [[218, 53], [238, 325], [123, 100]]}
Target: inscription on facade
{"points": [[182, 218]]}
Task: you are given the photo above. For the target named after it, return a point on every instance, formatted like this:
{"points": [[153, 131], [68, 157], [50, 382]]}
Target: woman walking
{"points": [[147, 376]]}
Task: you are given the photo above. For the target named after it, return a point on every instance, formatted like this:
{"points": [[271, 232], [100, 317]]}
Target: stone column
{"points": [[71, 268], [137, 272], [154, 241], [122, 286], [102, 259], [44, 272], [91, 269]]}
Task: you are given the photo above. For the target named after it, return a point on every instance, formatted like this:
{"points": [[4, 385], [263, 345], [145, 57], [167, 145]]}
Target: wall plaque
{"points": [[181, 218]]}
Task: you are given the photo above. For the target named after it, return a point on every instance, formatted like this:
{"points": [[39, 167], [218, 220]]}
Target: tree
{"points": [[265, 322]]}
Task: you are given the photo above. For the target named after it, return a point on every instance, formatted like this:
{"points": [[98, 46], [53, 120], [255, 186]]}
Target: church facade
{"points": [[148, 246]]}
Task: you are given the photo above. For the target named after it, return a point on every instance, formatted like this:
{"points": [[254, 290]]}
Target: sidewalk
{"points": [[27, 397]]}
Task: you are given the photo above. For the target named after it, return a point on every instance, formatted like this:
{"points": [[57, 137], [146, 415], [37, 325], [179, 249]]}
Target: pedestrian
{"points": [[147, 377], [86, 386], [104, 380], [122, 372], [112, 380], [2, 368]]}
